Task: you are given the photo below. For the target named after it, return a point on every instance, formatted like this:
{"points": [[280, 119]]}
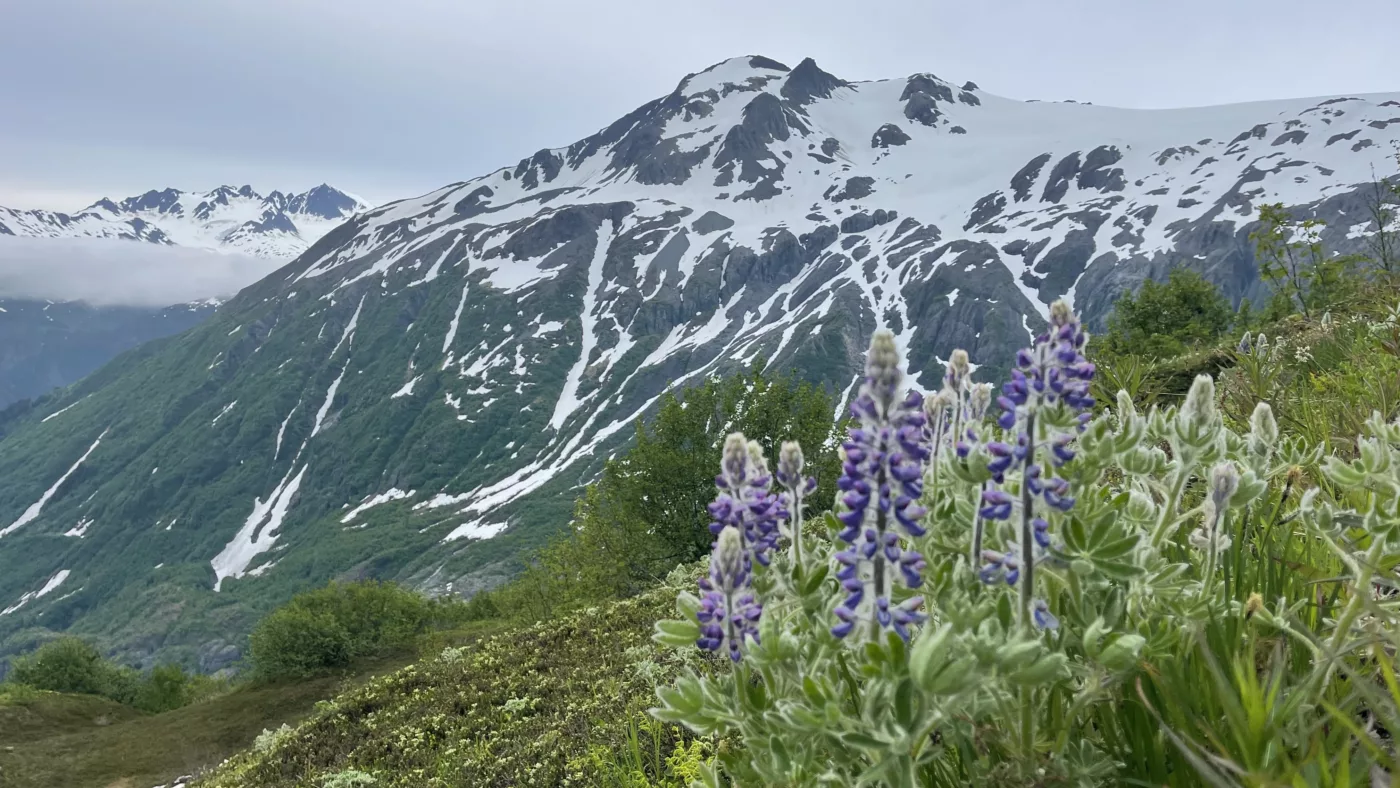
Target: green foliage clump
{"points": [[73, 665], [1164, 319], [331, 627], [66, 665], [1293, 260], [647, 511]]}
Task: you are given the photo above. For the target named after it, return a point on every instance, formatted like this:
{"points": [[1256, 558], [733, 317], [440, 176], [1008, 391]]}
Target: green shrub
{"points": [[67, 664], [1163, 319], [168, 687], [73, 665], [294, 642], [330, 627]]}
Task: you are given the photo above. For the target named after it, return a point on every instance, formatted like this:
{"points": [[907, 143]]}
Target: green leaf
{"points": [[862, 741], [929, 655], [904, 695]]}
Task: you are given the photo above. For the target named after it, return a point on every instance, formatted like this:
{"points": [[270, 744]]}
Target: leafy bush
{"points": [[328, 628], [648, 510], [167, 687], [73, 665], [1163, 319], [67, 664]]}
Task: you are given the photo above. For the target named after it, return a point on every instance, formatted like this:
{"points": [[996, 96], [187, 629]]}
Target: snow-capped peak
{"points": [[227, 218]]}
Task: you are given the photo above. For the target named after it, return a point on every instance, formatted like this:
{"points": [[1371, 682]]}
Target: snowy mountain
{"points": [[275, 226], [420, 395]]}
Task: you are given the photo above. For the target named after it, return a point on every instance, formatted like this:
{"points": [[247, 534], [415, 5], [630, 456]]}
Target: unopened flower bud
{"points": [[979, 400], [734, 457], [1199, 409], [882, 368], [1141, 507], [760, 463], [937, 404], [1262, 425], [958, 370], [1224, 480], [790, 462], [729, 556], [1122, 652]]}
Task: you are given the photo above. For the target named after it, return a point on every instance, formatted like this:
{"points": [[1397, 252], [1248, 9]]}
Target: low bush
{"points": [[73, 665], [331, 627]]}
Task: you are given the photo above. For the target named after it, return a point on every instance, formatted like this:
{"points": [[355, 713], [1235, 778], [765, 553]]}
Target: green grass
{"points": [[50, 739]]}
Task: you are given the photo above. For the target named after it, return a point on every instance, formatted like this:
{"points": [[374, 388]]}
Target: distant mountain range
{"points": [[276, 226], [420, 396], [48, 343]]}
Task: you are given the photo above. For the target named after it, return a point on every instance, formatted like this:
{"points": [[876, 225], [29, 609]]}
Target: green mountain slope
{"points": [[419, 395]]}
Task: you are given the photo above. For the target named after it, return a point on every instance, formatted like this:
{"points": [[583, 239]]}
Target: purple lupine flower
{"points": [[1051, 375], [882, 480], [1044, 619], [745, 499], [1000, 567], [729, 612]]}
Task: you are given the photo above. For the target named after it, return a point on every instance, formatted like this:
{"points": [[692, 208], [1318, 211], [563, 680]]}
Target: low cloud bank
{"points": [[105, 272]]}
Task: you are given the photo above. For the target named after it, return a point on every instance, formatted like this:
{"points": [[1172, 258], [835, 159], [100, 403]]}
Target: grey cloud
{"points": [[392, 98], [106, 272]]}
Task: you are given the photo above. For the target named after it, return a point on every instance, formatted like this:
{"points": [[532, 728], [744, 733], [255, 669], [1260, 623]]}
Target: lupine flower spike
{"points": [[1211, 537], [728, 613], [882, 478], [745, 500], [1051, 374]]}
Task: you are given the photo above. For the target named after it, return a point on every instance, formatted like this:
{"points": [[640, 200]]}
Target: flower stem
{"points": [[978, 527], [1027, 580], [1159, 533], [1027, 584], [879, 559]]}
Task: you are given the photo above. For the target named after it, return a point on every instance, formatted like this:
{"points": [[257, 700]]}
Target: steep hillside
{"points": [[419, 394], [44, 345]]}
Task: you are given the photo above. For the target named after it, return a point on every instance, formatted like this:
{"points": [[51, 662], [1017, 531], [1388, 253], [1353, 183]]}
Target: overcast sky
{"points": [[390, 98]]}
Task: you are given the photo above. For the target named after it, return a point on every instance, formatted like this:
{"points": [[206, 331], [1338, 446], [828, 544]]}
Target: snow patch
{"points": [[58, 413], [48, 588], [259, 531], [392, 494], [80, 529], [568, 398], [35, 508], [330, 398], [222, 413], [474, 529], [406, 389]]}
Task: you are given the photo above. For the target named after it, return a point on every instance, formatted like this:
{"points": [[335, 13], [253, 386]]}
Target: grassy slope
{"points": [[76, 741], [540, 704]]}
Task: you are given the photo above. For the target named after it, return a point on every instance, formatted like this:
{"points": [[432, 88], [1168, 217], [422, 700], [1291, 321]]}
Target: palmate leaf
{"points": [[1102, 541]]}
